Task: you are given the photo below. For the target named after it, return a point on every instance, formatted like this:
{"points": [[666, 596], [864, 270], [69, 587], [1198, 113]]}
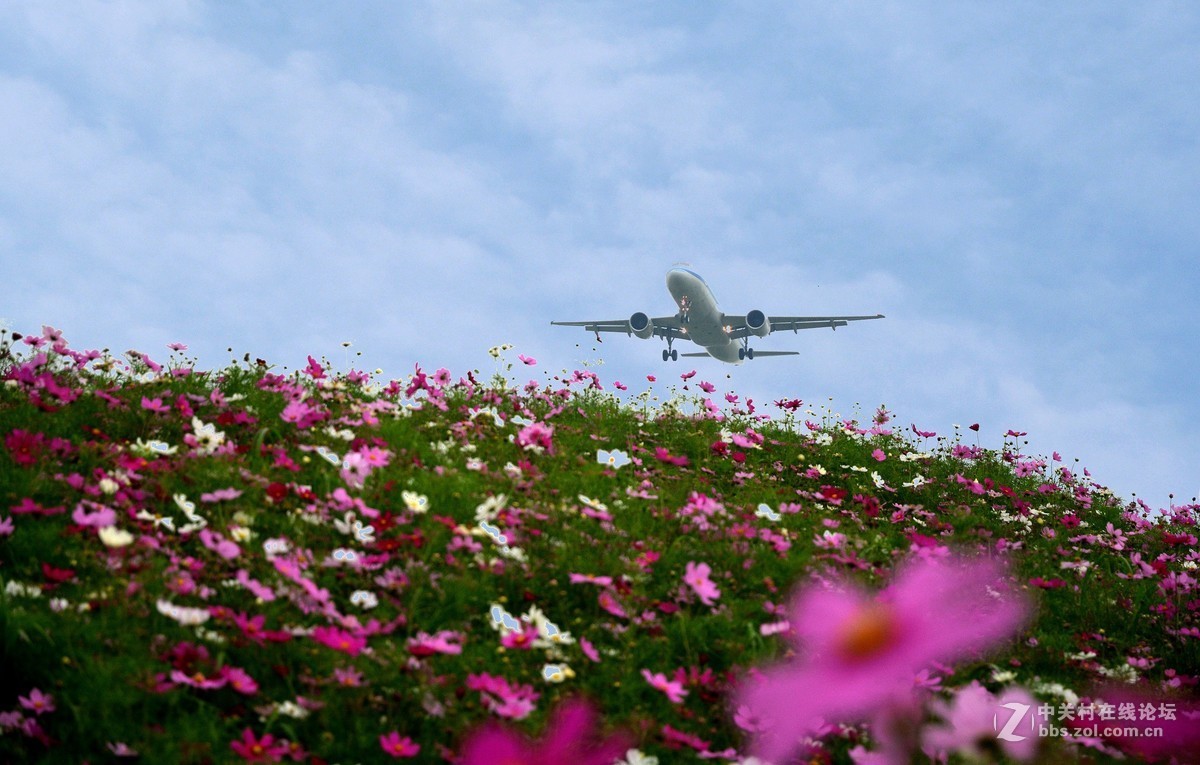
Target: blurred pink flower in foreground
{"points": [[570, 738], [973, 716], [859, 653]]}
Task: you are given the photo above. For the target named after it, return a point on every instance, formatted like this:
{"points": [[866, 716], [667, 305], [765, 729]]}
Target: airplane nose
{"points": [[676, 280]]}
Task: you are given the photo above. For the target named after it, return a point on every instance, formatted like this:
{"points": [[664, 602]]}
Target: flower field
{"points": [[256, 565]]}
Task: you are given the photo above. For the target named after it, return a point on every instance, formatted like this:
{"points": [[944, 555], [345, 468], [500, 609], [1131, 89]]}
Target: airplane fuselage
{"points": [[704, 321]]}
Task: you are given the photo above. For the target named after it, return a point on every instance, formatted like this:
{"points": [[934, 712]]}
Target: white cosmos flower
{"points": [[188, 617], [490, 508], [18, 589], [114, 537], [345, 525], [417, 503], [240, 534], [595, 504], [635, 757]]}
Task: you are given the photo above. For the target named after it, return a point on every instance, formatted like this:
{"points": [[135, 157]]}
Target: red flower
{"points": [[277, 491], [264, 749], [57, 575], [24, 447]]}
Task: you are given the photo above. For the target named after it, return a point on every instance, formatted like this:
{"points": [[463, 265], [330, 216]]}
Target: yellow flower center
{"points": [[867, 632]]}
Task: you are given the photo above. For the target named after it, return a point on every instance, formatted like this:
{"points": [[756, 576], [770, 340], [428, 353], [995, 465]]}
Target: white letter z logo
{"points": [[1018, 714]]}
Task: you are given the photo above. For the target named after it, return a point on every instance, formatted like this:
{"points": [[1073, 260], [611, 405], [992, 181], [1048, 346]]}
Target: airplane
{"points": [[725, 337]]}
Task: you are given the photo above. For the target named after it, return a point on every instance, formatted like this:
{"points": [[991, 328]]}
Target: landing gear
{"points": [[745, 352], [670, 353]]}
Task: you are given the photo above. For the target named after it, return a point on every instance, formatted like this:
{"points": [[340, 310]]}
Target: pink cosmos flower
{"points": [[121, 749], [37, 701], [662, 455], [314, 369], [199, 680], [265, 749], [673, 688], [350, 678], [101, 517], [589, 650], [522, 639], [442, 642], [155, 405], [503, 699], [398, 747], [603, 581], [239, 680], [6, 526], [861, 653], [610, 604], [535, 434], [696, 577], [973, 717], [570, 738], [226, 548], [339, 640], [25, 447], [528, 361], [220, 495]]}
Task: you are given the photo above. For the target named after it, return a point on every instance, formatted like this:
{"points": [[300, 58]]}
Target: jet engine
{"points": [[640, 325], [758, 323]]}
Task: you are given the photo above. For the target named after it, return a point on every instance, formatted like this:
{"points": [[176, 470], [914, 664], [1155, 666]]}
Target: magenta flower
{"points": [[696, 577], [101, 517], [535, 435], [239, 680], [264, 749], [442, 642], [673, 688], [398, 747], [528, 361], [603, 581], [861, 653], [314, 369], [589, 650], [571, 738], [155, 405], [24, 447], [610, 604], [199, 680], [503, 699], [339, 640], [37, 701]]}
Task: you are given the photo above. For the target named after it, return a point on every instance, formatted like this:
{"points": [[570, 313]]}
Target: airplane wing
{"points": [[794, 323], [664, 326]]}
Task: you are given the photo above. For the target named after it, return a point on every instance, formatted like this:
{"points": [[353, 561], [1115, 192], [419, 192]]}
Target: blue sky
{"points": [[1014, 185]]}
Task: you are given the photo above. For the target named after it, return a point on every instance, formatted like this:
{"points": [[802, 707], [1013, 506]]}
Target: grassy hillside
{"points": [[248, 565]]}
